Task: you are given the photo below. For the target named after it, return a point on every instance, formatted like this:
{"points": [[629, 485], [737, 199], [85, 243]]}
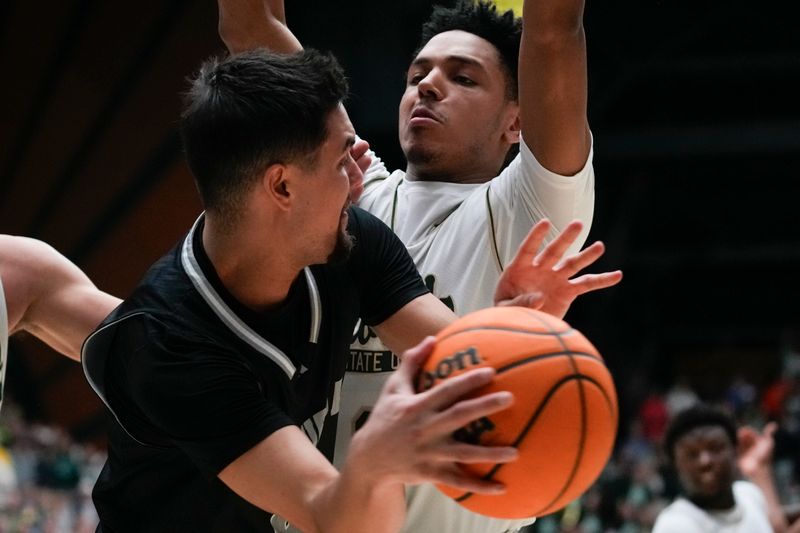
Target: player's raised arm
{"points": [[249, 24], [755, 461], [286, 475], [48, 296], [553, 84]]}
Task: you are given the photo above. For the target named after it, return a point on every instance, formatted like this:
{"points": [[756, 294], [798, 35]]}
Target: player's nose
{"points": [[430, 85]]}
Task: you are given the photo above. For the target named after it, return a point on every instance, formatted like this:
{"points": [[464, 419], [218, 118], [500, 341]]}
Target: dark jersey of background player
{"points": [[194, 379]]}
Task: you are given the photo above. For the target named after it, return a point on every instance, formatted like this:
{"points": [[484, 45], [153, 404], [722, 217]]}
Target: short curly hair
{"points": [[481, 18], [694, 417]]}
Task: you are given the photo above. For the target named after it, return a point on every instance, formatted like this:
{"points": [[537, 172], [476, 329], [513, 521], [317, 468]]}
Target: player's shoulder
{"points": [[381, 190], [677, 517], [742, 485], [165, 304], [745, 490], [362, 223], [146, 337]]}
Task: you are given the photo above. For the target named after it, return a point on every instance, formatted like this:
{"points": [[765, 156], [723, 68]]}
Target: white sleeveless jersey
{"points": [[460, 237], [3, 341]]}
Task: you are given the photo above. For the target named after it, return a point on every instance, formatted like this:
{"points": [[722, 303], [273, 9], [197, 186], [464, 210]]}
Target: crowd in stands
{"points": [[45, 478]]}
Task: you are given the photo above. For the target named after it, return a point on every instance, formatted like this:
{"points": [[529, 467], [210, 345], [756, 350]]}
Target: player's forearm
{"points": [[553, 84], [356, 503], [250, 24], [547, 19], [423, 316]]}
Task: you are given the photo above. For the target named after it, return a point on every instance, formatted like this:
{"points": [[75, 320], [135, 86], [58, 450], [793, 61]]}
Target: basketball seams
{"points": [[539, 316], [582, 400], [550, 333], [588, 381], [532, 420], [537, 357], [559, 335]]}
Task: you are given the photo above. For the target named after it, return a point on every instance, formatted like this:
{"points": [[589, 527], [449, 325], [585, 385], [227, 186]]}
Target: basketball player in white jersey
{"points": [[466, 106], [45, 294]]}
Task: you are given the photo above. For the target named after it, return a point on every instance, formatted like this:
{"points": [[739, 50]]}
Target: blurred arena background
{"points": [[696, 120]]}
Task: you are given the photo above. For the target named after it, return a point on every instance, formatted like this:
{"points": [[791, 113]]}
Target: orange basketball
{"points": [[564, 417]]}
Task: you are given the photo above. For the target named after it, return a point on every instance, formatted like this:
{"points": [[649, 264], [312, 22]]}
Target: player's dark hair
{"points": [[481, 18], [245, 112], [697, 416]]}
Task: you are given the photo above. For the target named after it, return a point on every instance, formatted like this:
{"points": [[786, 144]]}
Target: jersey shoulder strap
{"points": [[4, 330]]}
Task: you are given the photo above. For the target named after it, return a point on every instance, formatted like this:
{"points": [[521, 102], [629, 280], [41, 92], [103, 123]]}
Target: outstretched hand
{"points": [[361, 160], [755, 449], [544, 279]]}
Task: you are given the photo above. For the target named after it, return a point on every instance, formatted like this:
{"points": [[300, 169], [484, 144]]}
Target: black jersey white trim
{"points": [[316, 311], [225, 313], [94, 368]]}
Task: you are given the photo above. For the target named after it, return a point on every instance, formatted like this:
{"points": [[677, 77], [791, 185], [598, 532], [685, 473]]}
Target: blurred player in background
{"points": [[704, 447]]}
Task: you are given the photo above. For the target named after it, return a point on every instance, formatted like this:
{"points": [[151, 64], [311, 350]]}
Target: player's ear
{"points": [[513, 130], [276, 184]]}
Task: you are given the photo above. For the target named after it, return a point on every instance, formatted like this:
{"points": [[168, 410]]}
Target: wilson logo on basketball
{"points": [[446, 366]]}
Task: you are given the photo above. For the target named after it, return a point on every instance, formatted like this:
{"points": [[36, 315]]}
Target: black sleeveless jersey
{"points": [[193, 379]]}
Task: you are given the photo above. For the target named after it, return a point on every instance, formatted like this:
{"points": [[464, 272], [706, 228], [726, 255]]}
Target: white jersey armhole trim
{"points": [[4, 331], [225, 314], [546, 173], [99, 389], [493, 230]]}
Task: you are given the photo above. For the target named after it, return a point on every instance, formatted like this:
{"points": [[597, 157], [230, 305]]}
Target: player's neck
{"points": [[462, 176], [718, 502], [258, 274]]}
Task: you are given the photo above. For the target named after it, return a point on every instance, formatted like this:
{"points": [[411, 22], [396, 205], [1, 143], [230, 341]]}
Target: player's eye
{"points": [[414, 79], [464, 80]]}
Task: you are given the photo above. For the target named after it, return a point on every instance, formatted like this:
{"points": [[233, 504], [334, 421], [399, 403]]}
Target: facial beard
{"points": [[420, 156], [342, 248]]}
